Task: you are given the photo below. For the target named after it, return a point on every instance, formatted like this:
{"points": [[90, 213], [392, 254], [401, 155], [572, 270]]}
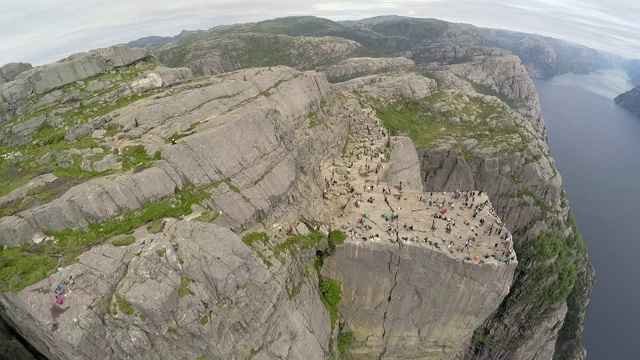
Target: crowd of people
{"points": [[461, 223]]}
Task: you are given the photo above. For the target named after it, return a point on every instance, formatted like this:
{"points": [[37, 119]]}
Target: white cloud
{"points": [[41, 31]]}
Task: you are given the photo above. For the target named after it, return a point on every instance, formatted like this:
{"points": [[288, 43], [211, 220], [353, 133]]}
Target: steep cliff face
{"points": [[118, 153], [392, 301], [546, 57], [254, 158]]}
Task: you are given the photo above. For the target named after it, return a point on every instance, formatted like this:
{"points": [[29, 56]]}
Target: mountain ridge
{"points": [[253, 141]]}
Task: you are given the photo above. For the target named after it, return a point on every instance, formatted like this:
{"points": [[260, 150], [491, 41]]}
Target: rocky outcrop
{"points": [[391, 297], [43, 79], [404, 164], [212, 53], [195, 290], [9, 71], [630, 100], [546, 57], [253, 141], [358, 67], [505, 75], [411, 86], [262, 154]]}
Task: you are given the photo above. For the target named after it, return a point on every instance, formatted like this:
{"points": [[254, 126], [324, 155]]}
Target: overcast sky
{"points": [[39, 31]]}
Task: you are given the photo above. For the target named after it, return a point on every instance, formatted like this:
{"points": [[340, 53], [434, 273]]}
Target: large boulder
{"points": [[9, 71]]}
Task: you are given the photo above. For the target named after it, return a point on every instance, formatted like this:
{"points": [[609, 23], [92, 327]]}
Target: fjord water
{"points": [[596, 145]]}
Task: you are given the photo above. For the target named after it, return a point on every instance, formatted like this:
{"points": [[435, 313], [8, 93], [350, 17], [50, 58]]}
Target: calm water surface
{"points": [[596, 145]]}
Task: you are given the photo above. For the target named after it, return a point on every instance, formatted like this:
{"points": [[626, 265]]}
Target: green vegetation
{"points": [[161, 252], [427, 121], [135, 157], [156, 226], [112, 129], [331, 298], [234, 188], [204, 320], [125, 241], [345, 147], [337, 237], [300, 241], [124, 305], [315, 123], [539, 202], [208, 217], [486, 90], [345, 339], [184, 287], [26, 265], [255, 236], [295, 291], [548, 268]]}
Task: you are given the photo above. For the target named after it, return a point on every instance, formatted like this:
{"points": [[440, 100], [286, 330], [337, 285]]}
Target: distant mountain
{"points": [[546, 57], [633, 69], [630, 100], [422, 40]]}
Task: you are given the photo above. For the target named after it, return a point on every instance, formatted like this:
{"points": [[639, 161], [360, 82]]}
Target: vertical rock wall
{"points": [[409, 302]]}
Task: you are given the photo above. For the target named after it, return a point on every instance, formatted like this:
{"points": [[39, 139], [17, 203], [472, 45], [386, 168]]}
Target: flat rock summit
{"points": [[290, 189]]}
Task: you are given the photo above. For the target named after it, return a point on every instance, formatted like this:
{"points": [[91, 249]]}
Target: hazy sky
{"points": [[39, 31]]}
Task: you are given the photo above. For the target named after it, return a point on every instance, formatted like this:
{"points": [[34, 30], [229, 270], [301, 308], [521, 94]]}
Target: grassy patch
{"points": [[314, 123], [345, 147], [331, 298], [135, 157], [295, 291], [204, 320], [340, 96], [156, 226], [184, 287], [539, 202], [559, 274], [12, 180], [337, 237], [208, 217], [300, 241], [125, 241], [255, 236], [345, 339], [112, 129], [161, 252], [24, 266], [124, 305], [427, 121]]}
